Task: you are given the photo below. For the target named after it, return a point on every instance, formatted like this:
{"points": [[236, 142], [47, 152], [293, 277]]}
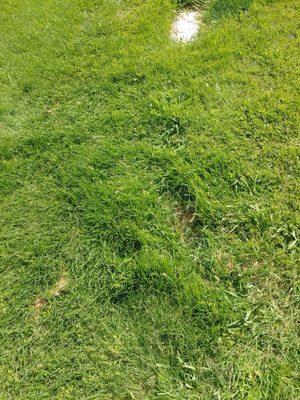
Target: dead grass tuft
{"points": [[60, 286], [39, 303]]}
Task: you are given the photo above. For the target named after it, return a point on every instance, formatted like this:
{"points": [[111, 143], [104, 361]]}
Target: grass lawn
{"points": [[149, 201]]}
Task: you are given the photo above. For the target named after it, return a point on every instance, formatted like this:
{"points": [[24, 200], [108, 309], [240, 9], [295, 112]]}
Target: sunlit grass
{"points": [[148, 199]]}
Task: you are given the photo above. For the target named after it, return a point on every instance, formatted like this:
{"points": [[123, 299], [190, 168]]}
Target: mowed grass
{"points": [[149, 197]]}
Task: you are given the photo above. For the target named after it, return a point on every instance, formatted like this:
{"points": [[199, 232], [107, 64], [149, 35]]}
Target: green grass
{"points": [[219, 8], [215, 9], [161, 181]]}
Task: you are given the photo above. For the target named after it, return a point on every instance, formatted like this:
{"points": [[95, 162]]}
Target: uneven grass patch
{"points": [[153, 187]]}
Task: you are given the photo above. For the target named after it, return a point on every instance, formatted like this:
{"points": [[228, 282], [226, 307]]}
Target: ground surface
{"points": [[148, 202]]}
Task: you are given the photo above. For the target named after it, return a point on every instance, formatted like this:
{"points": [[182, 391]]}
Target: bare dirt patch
{"points": [[186, 26]]}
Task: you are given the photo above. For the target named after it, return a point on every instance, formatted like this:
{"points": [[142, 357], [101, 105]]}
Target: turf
{"points": [[149, 199]]}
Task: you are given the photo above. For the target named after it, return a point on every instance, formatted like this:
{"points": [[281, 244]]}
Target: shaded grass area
{"points": [[219, 8], [160, 181], [216, 9]]}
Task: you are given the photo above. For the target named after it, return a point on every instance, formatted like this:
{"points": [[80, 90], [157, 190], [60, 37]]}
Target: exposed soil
{"points": [[186, 26]]}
